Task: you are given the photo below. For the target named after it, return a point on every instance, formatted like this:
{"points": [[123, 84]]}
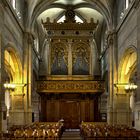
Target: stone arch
{"points": [[12, 63], [127, 65]]}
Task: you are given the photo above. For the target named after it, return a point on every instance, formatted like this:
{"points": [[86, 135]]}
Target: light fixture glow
{"points": [[9, 86]]}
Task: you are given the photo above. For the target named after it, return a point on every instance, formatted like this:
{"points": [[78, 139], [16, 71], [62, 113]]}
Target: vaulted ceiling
{"points": [[86, 9], [100, 10]]}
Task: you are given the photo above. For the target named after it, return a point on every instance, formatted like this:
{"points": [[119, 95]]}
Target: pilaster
{"points": [[27, 76], [112, 76], [3, 110], [137, 102], [138, 53]]}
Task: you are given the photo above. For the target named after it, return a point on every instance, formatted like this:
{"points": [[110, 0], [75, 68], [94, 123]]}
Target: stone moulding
{"points": [[70, 86]]}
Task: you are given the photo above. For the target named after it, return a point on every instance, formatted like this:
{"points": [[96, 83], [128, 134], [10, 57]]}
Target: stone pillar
{"points": [[137, 103], [3, 121], [112, 74], [118, 102], [27, 76], [110, 78], [21, 110], [3, 110]]}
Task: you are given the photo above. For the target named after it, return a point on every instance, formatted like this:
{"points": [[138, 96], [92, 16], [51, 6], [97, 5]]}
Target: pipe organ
{"points": [[70, 88]]}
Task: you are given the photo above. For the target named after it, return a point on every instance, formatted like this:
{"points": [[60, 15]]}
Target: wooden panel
{"points": [[82, 110], [96, 112], [69, 111], [92, 111], [52, 110], [87, 111], [73, 111], [42, 116]]}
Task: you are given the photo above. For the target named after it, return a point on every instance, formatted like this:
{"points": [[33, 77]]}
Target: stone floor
{"points": [[71, 134]]}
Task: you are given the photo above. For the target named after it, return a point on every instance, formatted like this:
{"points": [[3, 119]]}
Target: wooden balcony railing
{"points": [[70, 86]]}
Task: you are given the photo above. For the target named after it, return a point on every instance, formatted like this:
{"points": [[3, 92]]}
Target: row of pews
{"points": [[101, 131], [37, 130]]}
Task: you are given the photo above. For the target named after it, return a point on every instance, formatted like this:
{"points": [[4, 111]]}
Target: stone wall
{"points": [[127, 36]]}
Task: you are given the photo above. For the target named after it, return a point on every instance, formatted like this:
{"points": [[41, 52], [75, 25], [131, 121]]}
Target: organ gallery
{"points": [[69, 69]]}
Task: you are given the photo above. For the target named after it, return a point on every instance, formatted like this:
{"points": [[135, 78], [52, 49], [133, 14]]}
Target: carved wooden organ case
{"points": [[70, 55], [70, 79], [70, 47]]}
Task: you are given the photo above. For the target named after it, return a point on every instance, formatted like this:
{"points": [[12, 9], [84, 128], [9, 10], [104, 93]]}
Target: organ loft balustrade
{"points": [[70, 86]]}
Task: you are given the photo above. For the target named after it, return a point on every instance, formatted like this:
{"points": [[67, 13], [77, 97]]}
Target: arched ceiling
{"points": [[55, 8], [84, 13], [100, 10], [70, 2]]}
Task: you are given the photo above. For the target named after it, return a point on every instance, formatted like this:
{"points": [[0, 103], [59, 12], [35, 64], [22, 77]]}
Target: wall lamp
{"points": [[129, 87], [9, 86], [12, 86]]}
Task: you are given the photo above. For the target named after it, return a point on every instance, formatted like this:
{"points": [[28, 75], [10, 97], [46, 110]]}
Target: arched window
{"points": [[77, 19], [13, 2], [62, 19], [126, 3]]}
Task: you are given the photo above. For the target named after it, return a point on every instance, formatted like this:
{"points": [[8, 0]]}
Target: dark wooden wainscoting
{"points": [[72, 110]]}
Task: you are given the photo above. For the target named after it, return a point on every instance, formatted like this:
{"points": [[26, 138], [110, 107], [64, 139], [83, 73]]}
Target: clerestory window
{"points": [[77, 19], [127, 3], [13, 2]]}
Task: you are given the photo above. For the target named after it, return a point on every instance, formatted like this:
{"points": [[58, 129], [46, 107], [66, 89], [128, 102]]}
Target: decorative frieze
{"points": [[70, 86]]}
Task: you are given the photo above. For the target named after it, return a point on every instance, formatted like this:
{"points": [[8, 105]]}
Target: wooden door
{"points": [[70, 112]]}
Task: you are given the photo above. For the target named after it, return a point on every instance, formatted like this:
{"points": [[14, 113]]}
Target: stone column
{"points": [[138, 53], [3, 121], [3, 110], [137, 103], [118, 103], [112, 73], [27, 76]]}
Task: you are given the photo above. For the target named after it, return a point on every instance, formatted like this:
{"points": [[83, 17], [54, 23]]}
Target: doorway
{"points": [[73, 110], [70, 112]]}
